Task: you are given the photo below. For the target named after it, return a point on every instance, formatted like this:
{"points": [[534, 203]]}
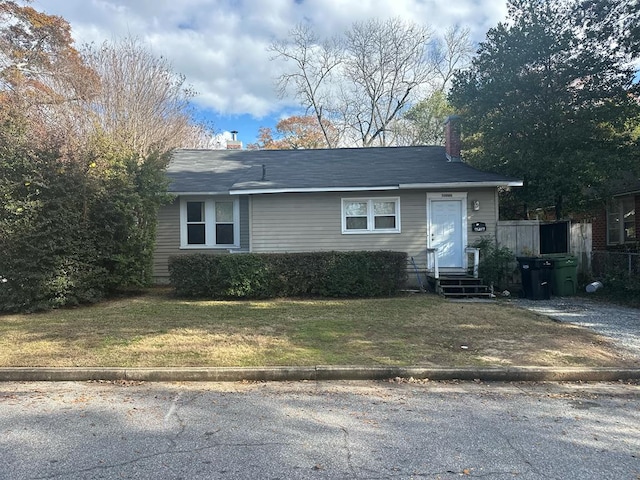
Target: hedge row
{"points": [[326, 274]]}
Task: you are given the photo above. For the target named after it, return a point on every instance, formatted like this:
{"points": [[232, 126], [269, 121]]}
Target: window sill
{"points": [[370, 232], [209, 247]]}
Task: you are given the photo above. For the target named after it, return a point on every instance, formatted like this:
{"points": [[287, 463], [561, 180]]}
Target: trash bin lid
{"points": [[562, 260], [534, 263]]}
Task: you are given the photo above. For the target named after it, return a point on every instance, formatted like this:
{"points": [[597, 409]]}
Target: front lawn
{"points": [[156, 329]]}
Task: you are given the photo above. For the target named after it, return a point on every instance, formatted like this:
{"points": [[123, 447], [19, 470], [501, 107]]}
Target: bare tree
{"points": [[314, 64], [361, 82], [386, 63], [452, 53], [142, 103], [199, 134], [423, 123]]}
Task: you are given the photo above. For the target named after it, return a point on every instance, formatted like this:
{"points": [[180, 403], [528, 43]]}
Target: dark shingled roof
{"points": [[222, 171]]}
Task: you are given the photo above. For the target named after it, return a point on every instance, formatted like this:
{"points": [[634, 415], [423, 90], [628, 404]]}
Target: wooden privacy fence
{"points": [[580, 245], [522, 237]]}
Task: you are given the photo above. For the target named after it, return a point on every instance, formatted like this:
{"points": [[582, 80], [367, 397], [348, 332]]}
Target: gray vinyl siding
{"points": [[168, 238], [488, 213], [312, 222], [244, 223]]}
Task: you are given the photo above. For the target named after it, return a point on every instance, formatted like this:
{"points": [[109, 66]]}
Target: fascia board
{"points": [[257, 191], [226, 192], [427, 186]]}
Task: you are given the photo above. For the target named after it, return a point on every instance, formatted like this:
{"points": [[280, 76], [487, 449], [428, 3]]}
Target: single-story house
{"points": [[617, 227], [385, 198]]}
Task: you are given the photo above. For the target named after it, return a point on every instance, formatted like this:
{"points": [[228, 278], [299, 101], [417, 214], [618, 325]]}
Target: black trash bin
{"points": [[536, 277]]}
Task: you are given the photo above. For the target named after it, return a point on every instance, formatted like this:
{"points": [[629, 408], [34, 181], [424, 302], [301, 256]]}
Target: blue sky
{"points": [[221, 45]]}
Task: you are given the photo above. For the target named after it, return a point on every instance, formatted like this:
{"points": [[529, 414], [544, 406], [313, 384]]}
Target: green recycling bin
{"points": [[564, 276]]}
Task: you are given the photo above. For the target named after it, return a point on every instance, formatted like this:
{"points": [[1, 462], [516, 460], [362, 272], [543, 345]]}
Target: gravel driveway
{"points": [[621, 324]]}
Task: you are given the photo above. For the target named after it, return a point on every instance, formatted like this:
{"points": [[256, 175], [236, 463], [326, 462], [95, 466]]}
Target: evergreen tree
{"points": [[549, 102]]}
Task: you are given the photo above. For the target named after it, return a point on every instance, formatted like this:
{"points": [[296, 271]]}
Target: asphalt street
{"points": [[319, 430]]}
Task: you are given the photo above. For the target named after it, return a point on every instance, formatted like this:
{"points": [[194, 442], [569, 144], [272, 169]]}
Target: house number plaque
{"points": [[479, 227]]}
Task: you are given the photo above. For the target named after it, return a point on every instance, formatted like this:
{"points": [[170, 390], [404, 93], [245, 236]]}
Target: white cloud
{"points": [[221, 45]]}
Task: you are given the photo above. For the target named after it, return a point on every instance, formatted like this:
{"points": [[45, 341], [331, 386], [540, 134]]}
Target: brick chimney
{"points": [[234, 143], [452, 138]]}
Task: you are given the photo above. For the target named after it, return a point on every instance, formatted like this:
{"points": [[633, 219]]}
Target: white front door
{"points": [[447, 228]]}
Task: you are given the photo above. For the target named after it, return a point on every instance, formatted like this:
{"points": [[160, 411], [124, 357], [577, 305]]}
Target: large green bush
{"points": [[329, 274], [73, 227]]}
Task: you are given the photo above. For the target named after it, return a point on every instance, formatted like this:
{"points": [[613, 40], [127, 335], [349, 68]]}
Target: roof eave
{"points": [[492, 184], [402, 186], [257, 191], [226, 192]]}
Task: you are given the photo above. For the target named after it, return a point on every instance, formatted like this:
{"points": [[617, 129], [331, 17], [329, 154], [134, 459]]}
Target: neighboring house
{"points": [[617, 227], [388, 198]]}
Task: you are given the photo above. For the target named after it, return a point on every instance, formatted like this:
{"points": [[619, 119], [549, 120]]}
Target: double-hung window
{"points": [[371, 215], [209, 223], [621, 220]]}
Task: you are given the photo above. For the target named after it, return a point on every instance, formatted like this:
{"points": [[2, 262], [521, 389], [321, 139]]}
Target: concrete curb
{"points": [[319, 372]]}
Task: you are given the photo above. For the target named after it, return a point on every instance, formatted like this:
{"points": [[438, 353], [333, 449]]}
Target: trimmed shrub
{"points": [[363, 274], [328, 274]]}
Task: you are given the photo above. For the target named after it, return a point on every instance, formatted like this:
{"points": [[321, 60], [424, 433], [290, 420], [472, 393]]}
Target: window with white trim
{"points": [[371, 215], [209, 223], [621, 220]]}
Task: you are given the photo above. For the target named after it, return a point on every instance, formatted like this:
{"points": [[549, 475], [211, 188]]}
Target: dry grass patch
{"points": [[156, 329]]}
